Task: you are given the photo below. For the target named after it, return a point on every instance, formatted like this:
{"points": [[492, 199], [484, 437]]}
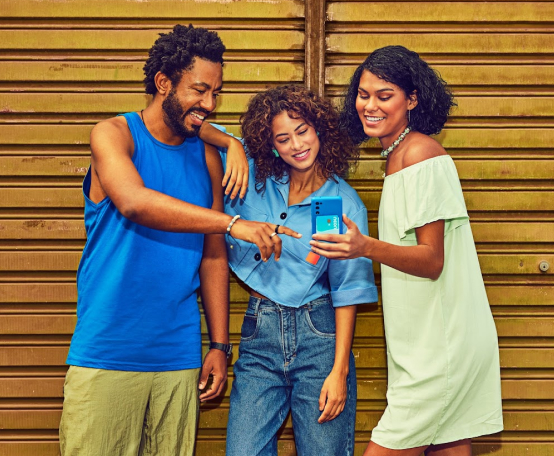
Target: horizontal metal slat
{"points": [[367, 326], [110, 71], [450, 43], [184, 10], [490, 169], [450, 138], [506, 200], [69, 261], [486, 200], [141, 40], [467, 75], [437, 12], [514, 358], [94, 103]]}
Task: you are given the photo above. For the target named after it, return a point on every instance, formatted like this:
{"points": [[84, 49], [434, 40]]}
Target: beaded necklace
{"points": [[388, 150]]}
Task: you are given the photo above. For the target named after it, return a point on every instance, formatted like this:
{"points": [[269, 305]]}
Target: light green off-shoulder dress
{"points": [[442, 346]]}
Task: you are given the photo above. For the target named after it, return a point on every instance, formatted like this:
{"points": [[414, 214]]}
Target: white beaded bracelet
{"points": [[231, 223]]}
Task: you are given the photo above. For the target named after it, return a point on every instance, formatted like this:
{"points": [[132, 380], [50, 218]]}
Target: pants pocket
{"points": [[249, 327], [321, 319]]}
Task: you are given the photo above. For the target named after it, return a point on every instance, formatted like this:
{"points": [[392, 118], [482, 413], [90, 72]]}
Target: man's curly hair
{"points": [[407, 70], [175, 52], [298, 102]]}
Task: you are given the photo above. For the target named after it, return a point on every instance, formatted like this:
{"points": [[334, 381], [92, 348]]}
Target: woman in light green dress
{"points": [[442, 346]]}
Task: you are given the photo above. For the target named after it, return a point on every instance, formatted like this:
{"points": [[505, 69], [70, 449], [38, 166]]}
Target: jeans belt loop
{"points": [[257, 306]]}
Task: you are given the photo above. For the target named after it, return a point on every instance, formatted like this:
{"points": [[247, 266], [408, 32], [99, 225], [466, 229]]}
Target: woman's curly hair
{"points": [[335, 150], [174, 52], [407, 70]]}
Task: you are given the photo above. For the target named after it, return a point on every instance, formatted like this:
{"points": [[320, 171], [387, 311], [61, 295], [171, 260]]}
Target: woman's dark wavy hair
{"points": [[407, 70], [174, 52], [335, 150]]}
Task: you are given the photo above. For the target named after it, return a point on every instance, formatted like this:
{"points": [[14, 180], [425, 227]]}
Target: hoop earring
{"points": [[275, 152]]}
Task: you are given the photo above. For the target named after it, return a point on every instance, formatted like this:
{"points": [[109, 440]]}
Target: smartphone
{"points": [[327, 215]]}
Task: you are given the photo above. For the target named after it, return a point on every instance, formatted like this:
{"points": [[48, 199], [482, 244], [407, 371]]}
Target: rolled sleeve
{"points": [[352, 281]]}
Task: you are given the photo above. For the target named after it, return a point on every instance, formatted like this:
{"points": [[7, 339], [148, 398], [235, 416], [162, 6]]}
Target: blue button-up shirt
{"points": [[293, 281]]}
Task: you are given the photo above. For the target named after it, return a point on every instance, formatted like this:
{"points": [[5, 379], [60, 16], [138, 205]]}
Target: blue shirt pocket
{"points": [[289, 280]]}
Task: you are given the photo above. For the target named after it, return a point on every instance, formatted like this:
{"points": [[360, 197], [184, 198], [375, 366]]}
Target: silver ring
{"points": [[272, 234]]}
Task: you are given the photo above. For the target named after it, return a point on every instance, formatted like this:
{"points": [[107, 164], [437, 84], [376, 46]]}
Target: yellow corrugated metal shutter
{"points": [[65, 66], [497, 56]]}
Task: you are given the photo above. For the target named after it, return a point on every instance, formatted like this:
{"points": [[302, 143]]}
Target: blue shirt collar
{"points": [[329, 188]]}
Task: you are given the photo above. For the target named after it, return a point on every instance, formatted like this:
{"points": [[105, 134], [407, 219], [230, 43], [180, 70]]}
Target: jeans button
{"points": [[257, 257], [283, 216]]}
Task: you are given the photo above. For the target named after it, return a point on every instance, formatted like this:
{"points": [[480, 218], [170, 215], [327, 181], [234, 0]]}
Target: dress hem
{"points": [[449, 438]]}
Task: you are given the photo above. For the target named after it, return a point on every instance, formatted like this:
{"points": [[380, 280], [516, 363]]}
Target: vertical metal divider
{"points": [[314, 45]]}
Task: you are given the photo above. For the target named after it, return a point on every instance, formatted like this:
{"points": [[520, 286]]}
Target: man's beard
{"points": [[174, 117]]}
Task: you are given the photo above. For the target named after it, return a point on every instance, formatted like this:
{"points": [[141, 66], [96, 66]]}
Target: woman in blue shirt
{"points": [[295, 351]]}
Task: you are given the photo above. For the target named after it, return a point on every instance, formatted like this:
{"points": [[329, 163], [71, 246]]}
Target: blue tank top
{"points": [[137, 307]]}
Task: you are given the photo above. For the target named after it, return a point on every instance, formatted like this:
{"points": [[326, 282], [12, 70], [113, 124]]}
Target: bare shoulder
{"points": [[421, 148], [113, 133]]}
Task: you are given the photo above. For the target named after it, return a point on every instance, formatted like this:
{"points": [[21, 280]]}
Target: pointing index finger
{"points": [[288, 232]]}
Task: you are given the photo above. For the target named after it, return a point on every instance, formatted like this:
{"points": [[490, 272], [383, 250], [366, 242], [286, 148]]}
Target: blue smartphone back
{"points": [[330, 208]]}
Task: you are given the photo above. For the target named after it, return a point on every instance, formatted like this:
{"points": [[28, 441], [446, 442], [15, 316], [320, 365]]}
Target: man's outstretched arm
{"points": [[115, 176]]}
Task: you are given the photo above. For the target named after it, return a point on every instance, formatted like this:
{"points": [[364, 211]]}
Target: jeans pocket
{"points": [[321, 320], [249, 327]]}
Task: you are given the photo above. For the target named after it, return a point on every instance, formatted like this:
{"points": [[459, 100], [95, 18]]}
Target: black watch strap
{"points": [[226, 348]]}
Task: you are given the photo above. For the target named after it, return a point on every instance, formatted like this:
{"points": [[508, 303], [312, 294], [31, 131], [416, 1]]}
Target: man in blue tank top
{"points": [[155, 234]]}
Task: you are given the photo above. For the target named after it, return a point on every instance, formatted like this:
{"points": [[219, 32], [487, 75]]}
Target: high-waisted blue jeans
{"points": [[285, 355]]}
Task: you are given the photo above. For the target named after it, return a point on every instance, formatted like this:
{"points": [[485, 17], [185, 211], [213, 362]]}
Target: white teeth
{"points": [[374, 119], [301, 154], [197, 116]]}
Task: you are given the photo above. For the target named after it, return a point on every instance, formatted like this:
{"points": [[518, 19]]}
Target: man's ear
{"points": [[413, 100], [163, 83]]}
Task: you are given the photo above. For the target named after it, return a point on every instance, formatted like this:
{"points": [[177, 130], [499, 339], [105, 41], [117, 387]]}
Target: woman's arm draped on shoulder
{"points": [[236, 170]]}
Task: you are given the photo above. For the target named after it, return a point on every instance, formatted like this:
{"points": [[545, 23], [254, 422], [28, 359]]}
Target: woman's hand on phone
{"points": [[352, 244]]}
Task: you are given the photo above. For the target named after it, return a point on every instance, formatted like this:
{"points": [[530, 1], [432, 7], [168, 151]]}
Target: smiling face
{"points": [[296, 141], [383, 108], [193, 98]]}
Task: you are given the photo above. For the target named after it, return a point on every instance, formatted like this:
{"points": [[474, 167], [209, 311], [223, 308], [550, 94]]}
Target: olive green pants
{"points": [[119, 413]]}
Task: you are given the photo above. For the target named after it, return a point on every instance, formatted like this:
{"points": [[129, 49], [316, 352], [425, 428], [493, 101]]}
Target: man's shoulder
{"points": [[114, 126], [113, 131]]}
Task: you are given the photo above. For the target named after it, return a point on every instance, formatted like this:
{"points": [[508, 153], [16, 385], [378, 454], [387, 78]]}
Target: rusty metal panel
{"points": [[63, 68], [496, 56]]}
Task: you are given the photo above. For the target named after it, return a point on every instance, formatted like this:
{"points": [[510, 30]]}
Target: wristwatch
{"points": [[227, 348]]}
